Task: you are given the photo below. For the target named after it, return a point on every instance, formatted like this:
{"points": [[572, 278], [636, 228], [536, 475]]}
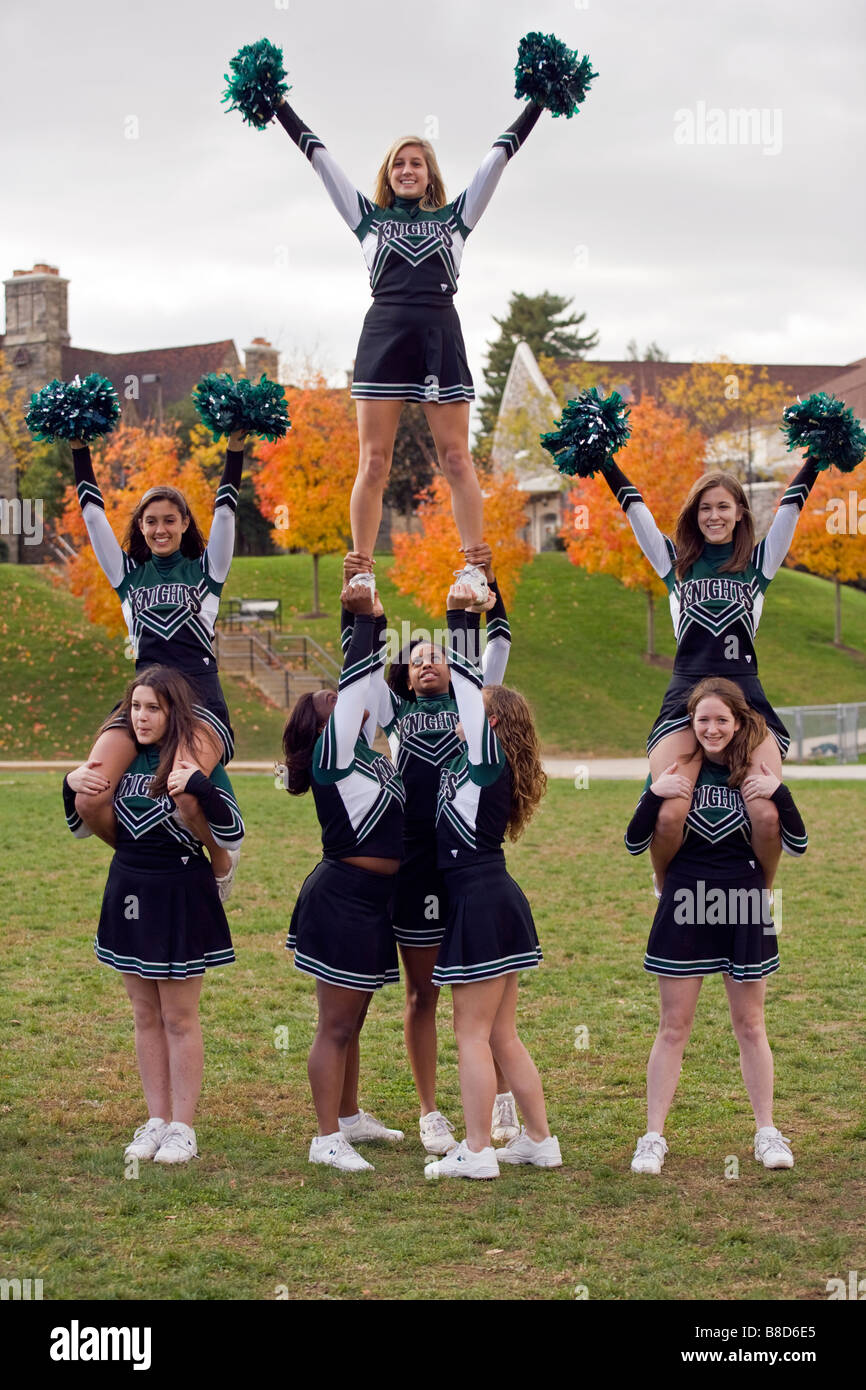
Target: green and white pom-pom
{"points": [[256, 86], [591, 430], [226, 405], [74, 409], [827, 429], [551, 75]]}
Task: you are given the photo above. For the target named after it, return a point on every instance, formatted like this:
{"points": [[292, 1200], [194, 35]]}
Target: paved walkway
{"points": [[566, 769]]}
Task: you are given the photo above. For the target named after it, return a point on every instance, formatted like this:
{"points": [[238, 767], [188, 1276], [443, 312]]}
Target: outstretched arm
{"points": [[350, 204], [494, 659], [221, 541], [472, 203], [112, 559], [341, 732], [658, 548], [771, 551], [484, 750]]}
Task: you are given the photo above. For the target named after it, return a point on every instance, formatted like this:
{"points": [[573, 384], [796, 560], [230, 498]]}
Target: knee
{"points": [[751, 1031], [674, 1029], [338, 1032], [374, 467], [763, 815], [421, 999], [146, 1016], [180, 1025], [456, 463], [672, 814]]}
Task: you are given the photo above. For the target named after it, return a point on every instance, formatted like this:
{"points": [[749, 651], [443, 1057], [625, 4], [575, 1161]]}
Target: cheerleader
{"points": [[162, 923], [340, 930], [492, 785], [411, 346], [716, 579], [714, 915], [169, 584], [418, 712]]}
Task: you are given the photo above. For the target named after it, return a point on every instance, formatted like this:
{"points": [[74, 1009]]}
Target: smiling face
{"points": [[717, 515], [149, 717], [162, 524], [715, 725], [409, 174], [428, 672]]}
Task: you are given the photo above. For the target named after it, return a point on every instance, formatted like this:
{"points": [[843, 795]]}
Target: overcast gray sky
{"points": [[202, 228]]}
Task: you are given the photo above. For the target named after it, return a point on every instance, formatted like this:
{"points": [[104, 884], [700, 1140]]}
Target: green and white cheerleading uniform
{"points": [[340, 930], [161, 916], [489, 929], [411, 346], [714, 914], [715, 613], [170, 603], [422, 734]]}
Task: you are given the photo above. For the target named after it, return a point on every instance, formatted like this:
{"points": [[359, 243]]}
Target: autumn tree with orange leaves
{"points": [[305, 480], [830, 539], [424, 563], [129, 462], [663, 457]]}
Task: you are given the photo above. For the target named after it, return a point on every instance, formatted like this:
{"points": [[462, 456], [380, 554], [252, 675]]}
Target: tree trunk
{"points": [[837, 638], [650, 626], [315, 586]]}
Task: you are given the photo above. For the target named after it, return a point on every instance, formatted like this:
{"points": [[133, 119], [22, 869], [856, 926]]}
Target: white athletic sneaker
{"points": [[224, 884], [505, 1124], [461, 1162], [772, 1149], [541, 1153], [437, 1133], [337, 1152], [146, 1139], [476, 579], [368, 1127], [649, 1156], [178, 1145]]}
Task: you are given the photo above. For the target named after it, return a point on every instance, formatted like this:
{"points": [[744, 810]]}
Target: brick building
{"points": [[37, 349]]}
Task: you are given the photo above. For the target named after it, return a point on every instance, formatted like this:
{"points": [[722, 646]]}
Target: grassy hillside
{"points": [[578, 643]]}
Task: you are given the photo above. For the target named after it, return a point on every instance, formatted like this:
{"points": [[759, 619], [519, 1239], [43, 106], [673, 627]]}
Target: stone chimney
{"points": [[260, 357]]}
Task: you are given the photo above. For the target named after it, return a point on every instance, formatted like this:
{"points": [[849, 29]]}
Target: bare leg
{"points": [[449, 426], [339, 1013], [349, 1103], [746, 1002], [501, 1079], [668, 835], [419, 1020], [520, 1069], [179, 1003], [766, 837], [377, 429], [475, 1010], [114, 751], [151, 1049], [677, 1003]]}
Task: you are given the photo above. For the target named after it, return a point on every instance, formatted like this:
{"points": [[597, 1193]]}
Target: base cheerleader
{"points": [[492, 786], [714, 916], [716, 579], [169, 584], [340, 930], [162, 923]]}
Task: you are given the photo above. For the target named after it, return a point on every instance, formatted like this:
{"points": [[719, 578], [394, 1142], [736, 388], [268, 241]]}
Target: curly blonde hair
{"points": [[515, 730], [434, 195]]}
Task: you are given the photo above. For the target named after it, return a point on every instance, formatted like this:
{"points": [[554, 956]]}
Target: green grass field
{"points": [[577, 650], [252, 1216]]}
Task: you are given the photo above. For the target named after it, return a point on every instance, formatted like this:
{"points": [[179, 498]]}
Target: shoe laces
{"points": [[646, 1145], [505, 1112], [439, 1125], [774, 1141]]}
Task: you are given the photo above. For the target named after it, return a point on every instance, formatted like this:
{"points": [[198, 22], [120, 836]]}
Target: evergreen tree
{"points": [[542, 321], [651, 353]]}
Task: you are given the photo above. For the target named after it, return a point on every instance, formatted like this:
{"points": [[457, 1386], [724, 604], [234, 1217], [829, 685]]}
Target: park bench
{"points": [[253, 610]]}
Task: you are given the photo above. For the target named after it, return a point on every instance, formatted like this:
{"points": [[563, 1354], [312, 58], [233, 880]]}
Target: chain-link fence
{"points": [[829, 732]]}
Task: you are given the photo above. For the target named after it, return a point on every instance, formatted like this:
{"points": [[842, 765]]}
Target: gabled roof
{"points": [[178, 369]]}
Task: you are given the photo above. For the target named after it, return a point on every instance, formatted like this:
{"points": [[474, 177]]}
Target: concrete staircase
{"points": [[284, 666]]}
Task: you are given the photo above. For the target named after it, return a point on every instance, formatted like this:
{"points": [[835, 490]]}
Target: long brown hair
{"points": [[176, 696], [191, 542], [299, 740], [752, 730], [688, 537], [434, 194], [515, 730]]}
